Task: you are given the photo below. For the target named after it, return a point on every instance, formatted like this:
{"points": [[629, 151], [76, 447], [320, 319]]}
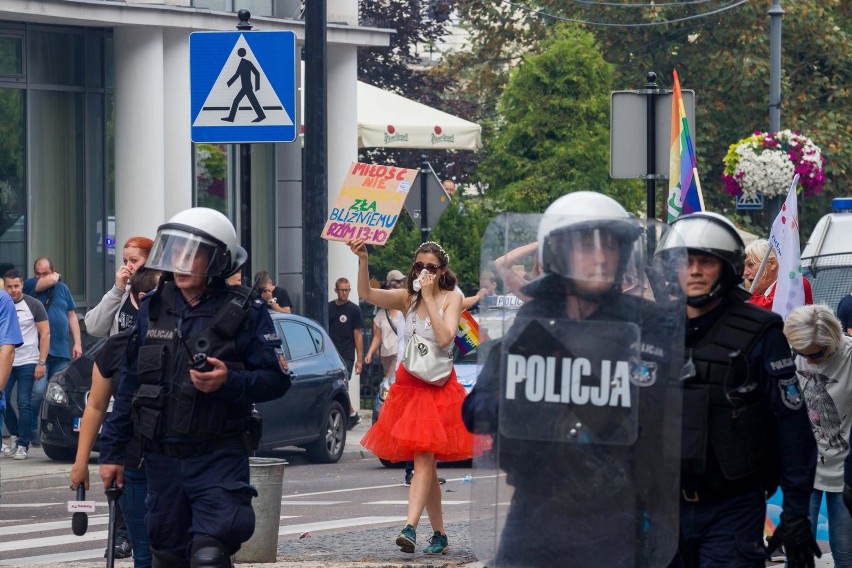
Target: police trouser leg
{"points": [[209, 552], [161, 559]]}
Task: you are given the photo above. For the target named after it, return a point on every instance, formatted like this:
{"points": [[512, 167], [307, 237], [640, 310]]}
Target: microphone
{"points": [[80, 507]]}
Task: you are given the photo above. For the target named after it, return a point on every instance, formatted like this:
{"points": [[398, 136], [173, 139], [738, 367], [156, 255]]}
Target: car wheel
{"points": [[59, 453], [329, 447]]}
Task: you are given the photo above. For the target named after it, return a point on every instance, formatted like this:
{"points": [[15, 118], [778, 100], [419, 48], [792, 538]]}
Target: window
{"points": [[11, 55], [299, 340], [317, 337], [13, 197], [213, 186], [217, 169], [57, 184], [56, 58], [56, 153]]}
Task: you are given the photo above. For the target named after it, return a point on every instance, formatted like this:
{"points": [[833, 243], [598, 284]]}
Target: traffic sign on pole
{"points": [[243, 86], [437, 199], [628, 128]]}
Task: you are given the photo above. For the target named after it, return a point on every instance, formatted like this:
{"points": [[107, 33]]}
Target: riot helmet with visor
{"points": [[710, 234], [588, 239], [197, 241]]}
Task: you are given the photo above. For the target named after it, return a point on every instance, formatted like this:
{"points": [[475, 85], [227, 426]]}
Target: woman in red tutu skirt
{"points": [[420, 421]]}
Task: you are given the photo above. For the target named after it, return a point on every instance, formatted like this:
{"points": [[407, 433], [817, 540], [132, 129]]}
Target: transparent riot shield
{"points": [[579, 390]]}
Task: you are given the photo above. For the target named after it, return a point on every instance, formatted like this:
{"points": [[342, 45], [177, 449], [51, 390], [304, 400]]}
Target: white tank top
{"points": [[423, 326]]}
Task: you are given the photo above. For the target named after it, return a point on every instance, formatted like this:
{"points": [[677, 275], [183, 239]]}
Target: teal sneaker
{"points": [[438, 544], [407, 539]]}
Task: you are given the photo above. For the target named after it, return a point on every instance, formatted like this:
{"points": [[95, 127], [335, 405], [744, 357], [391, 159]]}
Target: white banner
{"points": [[784, 238]]}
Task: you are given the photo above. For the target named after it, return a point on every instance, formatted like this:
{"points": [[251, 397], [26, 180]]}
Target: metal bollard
{"points": [[267, 476]]}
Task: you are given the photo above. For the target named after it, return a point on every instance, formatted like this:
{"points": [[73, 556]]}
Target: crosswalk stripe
{"points": [[94, 520], [45, 541], [338, 524], [53, 558], [443, 502], [313, 503]]}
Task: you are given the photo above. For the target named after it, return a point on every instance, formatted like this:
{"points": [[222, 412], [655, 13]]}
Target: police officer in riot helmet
{"points": [[202, 353], [580, 503], [745, 427]]}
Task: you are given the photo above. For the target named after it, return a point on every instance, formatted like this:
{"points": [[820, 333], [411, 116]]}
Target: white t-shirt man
{"points": [[30, 311]]}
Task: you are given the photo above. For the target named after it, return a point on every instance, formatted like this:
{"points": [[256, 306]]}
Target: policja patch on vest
{"points": [[791, 394]]}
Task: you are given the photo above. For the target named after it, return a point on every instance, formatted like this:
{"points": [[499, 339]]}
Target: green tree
{"points": [[398, 68], [723, 56], [553, 137]]}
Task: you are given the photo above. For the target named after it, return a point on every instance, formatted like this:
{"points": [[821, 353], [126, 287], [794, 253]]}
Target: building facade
{"points": [[95, 134]]}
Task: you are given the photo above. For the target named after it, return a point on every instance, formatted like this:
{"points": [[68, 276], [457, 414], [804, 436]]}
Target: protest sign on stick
{"points": [[369, 203]]}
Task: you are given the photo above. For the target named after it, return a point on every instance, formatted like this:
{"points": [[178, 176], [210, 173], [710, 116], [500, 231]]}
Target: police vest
{"points": [[727, 421], [166, 404]]}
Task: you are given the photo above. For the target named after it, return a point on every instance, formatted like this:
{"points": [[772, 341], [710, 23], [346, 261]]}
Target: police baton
{"points": [[112, 495]]}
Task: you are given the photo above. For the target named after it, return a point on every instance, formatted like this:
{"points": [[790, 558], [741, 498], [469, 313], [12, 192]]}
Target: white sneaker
{"points": [[10, 449], [21, 453]]}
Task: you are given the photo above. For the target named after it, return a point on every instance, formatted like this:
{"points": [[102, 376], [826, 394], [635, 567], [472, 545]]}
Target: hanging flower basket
{"points": [[766, 162]]}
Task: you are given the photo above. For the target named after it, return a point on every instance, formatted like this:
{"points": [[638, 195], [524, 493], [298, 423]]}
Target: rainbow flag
{"points": [[684, 186], [467, 336]]}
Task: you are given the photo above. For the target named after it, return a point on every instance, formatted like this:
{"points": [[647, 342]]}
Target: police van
{"points": [[827, 257]]}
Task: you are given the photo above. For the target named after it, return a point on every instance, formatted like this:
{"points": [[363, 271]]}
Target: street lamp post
{"points": [[773, 204]]}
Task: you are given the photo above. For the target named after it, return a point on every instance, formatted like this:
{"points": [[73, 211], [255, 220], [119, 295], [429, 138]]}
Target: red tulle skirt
{"points": [[420, 418]]}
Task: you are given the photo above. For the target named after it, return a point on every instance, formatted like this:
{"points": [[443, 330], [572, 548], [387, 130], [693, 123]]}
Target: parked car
{"points": [[467, 368], [312, 415]]}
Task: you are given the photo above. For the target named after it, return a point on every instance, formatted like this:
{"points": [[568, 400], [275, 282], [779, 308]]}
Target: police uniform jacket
{"points": [[260, 379], [745, 422]]}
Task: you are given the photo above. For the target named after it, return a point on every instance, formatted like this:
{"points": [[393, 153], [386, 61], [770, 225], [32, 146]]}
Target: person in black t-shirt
{"points": [[277, 299], [345, 326]]}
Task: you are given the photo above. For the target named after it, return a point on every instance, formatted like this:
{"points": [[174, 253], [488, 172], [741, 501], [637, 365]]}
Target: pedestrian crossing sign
{"points": [[752, 202], [243, 86]]}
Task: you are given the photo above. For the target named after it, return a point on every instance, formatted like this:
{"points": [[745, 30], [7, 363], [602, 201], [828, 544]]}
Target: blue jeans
{"points": [[132, 502], [24, 377], [839, 526], [54, 365]]}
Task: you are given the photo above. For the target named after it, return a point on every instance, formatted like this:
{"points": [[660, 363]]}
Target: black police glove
{"points": [[794, 533], [847, 496]]}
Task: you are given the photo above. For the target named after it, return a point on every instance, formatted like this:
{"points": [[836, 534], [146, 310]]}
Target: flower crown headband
{"points": [[436, 245]]}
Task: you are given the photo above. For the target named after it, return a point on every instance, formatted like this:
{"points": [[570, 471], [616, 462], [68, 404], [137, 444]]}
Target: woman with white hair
{"points": [[823, 357], [764, 293]]}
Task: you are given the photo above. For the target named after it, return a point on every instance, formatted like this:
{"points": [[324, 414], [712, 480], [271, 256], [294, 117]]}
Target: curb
{"points": [[50, 481]]}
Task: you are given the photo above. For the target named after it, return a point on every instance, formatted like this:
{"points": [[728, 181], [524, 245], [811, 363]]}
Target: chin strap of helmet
{"points": [[704, 299]]}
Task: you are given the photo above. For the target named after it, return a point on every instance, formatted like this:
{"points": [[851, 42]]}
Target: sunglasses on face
{"points": [[419, 266], [815, 356], [347, 290]]}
